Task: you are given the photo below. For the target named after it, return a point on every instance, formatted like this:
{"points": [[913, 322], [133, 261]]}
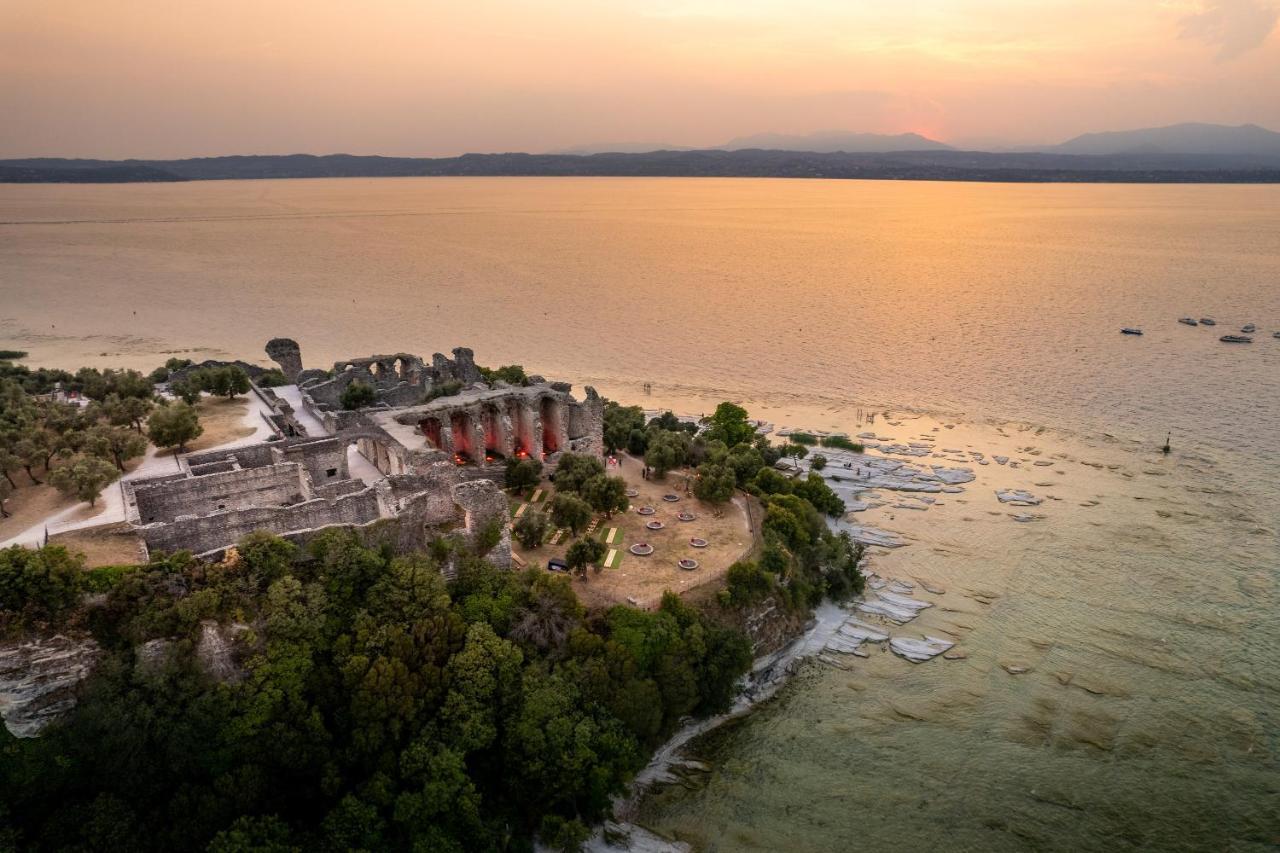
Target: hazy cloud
{"points": [[1233, 26]]}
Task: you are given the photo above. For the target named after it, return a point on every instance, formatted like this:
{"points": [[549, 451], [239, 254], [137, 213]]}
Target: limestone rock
{"points": [[38, 679], [286, 353]]}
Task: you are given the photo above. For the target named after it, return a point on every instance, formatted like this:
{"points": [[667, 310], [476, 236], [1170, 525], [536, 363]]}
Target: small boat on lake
{"points": [[1275, 334], [1188, 321], [1207, 321], [1249, 329], [1236, 339], [1129, 330]]}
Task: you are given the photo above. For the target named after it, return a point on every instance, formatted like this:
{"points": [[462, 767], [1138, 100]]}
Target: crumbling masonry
{"points": [[430, 451]]}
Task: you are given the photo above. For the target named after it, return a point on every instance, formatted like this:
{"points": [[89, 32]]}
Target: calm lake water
{"points": [[1142, 601]]}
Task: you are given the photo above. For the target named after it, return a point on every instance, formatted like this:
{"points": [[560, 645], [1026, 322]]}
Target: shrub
{"points": [[805, 438], [747, 584], [272, 379], [530, 529], [843, 443], [358, 395], [818, 462], [40, 584]]}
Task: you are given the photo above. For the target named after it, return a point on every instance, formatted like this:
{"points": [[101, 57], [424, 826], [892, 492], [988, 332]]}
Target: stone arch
{"points": [[433, 429], [497, 441], [522, 442], [463, 429], [551, 412]]}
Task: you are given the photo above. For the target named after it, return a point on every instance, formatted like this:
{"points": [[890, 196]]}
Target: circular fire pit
{"points": [[641, 549], [688, 565], [686, 516], [633, 493], [671, 498], [646, 510], [695, 542], [655, 525]]}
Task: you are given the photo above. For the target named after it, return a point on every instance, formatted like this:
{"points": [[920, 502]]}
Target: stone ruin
{"points": [[426, 459]]}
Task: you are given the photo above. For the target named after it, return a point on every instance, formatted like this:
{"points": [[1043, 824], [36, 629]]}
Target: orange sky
{"points": [[144, 78]]}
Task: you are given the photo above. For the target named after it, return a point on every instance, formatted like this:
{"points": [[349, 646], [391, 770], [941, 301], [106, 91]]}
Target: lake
{"points": [[1142, 600]]}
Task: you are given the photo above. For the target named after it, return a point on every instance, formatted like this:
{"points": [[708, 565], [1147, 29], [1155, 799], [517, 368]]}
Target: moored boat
{"points": [[1187, 321], [1129, 330], [1236, 339], [1275, 334], [1207, 321], [1249, 329]]}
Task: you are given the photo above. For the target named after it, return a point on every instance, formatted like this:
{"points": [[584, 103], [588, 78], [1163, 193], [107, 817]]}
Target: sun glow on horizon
{"points": [[151, 79]]}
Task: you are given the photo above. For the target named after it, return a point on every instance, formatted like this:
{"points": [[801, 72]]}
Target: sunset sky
{"points": [[180, 78]]}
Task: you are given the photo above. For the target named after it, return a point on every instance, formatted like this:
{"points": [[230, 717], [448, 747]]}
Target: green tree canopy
{"points": [[358, 395], [174, 425], [574, 470], [715, 483], [569, 510], [606, 494], [83, 478]]}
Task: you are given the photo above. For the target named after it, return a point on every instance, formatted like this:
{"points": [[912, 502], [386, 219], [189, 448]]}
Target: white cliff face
{"points": [[38, 678]]}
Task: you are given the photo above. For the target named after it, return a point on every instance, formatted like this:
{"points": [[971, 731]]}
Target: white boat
{"points": [[1188, 321]]}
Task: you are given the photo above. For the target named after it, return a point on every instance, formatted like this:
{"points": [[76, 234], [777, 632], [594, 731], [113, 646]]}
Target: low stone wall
{"points": [[231, 490], [211, 533]]}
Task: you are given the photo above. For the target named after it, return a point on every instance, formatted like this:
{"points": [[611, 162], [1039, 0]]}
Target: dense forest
{"points": [[370, 705]]}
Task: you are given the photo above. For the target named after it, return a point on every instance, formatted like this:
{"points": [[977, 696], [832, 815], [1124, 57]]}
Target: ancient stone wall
{"points": [[211, 533], [242, 489]]}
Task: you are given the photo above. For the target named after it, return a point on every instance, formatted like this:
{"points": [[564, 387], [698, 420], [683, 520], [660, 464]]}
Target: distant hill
{"points": [[1244, 140], [832, 141], [621, 148], [941, 165]]}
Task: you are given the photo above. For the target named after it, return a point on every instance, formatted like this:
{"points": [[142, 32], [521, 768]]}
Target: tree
{"points": [[237, 381], [574, 470], [715, 483], [358, 395], [174, 425], [606, 494], [9, 462], [84, 478], [730, 425], [530, 529], [571, 511], [40, 583], [818, 462], [619, 422], [512, 374], [666, 450], [746, 462], [117, 444], [585, 552], [217, 381], [522, 474], [5, 491], [188, 390], [669, 422], [127, 411], [795, 451], [30, 453]]}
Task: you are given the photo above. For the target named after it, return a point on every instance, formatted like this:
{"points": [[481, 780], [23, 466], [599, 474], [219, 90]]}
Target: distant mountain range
{"points": [[1181, 154], [828, 141], [1244, 140]]}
